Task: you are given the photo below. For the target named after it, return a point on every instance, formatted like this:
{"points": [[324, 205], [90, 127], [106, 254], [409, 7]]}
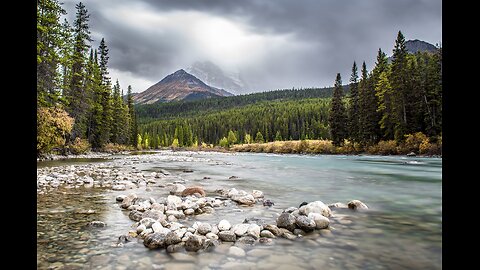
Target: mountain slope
{"points": [[414, 46], [178, 86], [214, 76]]}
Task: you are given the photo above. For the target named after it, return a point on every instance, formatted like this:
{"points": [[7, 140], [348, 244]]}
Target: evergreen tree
{"points": [[259, 138], [278, 136], [338, 116], [49, 42], [398, 81], [106, 97], [78, 98], [369, 117], [354, 110], [133, 120]]}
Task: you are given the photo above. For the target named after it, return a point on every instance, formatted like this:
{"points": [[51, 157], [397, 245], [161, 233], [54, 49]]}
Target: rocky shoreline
{"points": [[158, 221]]}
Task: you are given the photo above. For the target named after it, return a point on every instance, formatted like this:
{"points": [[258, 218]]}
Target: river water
{"points": [[401, 230]]}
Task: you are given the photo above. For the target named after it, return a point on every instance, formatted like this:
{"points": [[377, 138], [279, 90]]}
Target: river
{"points": [[401, 230]]}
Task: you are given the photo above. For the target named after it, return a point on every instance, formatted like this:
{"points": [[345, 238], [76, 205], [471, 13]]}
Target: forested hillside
{"points": [[169, 110]]}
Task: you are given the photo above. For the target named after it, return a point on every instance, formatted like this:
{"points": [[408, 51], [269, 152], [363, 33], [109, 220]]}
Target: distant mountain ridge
{"points": [[414, 46], [214, 76], [177, 86]]}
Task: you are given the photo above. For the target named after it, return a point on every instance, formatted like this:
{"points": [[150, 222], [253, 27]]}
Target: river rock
{"points": [[305, 223], [211, 236], [321, 222], [227, 236], [288, 234], [175, 213], [177, 189], [193, 243], [243, 199], [96, 224], [173, 199], [246, 240], [154, 240], [192, 190], [129, 200], [315, 207], [356, 204], [156, 227], [224, 225], [158, 206], [273, 228], [141, 228], [257, 194], [254, 230], [287, 221], [154, 214], [120, 198], [337, 205], [176, 247], [290, 209], [204, 228], [189, 211], [172, 238], [236, 251], [240, 229], [119, 187], [267, 234], [135, 215]]}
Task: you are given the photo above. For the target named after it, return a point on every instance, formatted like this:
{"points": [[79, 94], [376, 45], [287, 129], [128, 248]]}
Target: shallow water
{"points": [[402, 229]]}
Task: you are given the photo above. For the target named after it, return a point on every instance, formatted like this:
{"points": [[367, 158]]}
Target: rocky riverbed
{"points": [[147, 212]]}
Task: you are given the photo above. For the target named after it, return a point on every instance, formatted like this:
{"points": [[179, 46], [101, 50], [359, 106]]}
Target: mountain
{"points": [[416, 45], [213, 75], [178, 86]]}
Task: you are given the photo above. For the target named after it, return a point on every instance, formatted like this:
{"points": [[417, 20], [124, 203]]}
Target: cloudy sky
{"points": [[275, 44]]}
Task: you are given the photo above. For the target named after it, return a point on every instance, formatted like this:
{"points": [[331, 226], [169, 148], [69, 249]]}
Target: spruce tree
{"points": [[49, 42], [133, 120], [338, 116], [398, 80], [369, 117], [106, 96], [353, 111], [77, 96]]}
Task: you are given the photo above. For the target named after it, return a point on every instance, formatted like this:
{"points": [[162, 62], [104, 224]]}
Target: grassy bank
{"points": [[326, 147]]}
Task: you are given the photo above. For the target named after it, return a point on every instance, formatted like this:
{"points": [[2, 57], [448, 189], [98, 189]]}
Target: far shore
{"points": [[305, 147]]}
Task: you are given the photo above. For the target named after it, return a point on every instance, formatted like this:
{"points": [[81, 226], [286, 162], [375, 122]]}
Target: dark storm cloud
{"points": [[335, 33]]}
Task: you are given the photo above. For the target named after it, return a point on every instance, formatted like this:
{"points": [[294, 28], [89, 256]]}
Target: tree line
{"points": [[261, 122], [170, 110], [392, 101], [77, 104]]}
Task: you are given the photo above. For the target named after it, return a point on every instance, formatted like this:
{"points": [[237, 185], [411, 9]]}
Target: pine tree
{"points": [[369, 117], [133, 120], [259, 138], [278, 136], [398, 83], [338, 116], [106, 97], [78, 98], [49, 42], [354, 111]]}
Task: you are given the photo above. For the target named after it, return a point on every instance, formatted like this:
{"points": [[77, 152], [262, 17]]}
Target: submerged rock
{"points": [[96, 224], [236, 252], [193, 243], [356, 204]]}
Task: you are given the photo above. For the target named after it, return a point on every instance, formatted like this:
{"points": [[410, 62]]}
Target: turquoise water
{"points": [[402, 229]]}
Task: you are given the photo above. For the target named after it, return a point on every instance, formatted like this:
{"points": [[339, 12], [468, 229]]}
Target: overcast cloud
{"points": [[275, 44]]}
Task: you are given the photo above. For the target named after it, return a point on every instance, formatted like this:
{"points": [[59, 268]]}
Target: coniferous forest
{"points": [[78, 107], [395, 103]]}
